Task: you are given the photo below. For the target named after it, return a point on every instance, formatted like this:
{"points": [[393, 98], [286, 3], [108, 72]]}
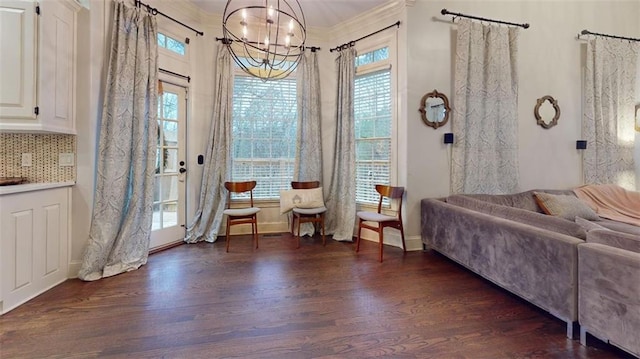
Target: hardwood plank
{"points": [[196, 301]]}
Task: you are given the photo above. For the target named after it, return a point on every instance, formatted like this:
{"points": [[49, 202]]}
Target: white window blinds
{"points": [[264, 133], [373, 121]]}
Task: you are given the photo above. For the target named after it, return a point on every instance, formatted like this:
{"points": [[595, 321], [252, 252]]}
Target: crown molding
{"points": [[391, 11]]}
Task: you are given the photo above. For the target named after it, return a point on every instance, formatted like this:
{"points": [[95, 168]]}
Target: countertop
{"points": [[28, 187]]}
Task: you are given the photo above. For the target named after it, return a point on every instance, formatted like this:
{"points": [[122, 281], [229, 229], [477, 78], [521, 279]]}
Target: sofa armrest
{"points": [[609, 294], [616, 239]]}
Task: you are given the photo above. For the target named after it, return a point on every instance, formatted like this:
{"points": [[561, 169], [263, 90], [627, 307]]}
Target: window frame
{"points": [[372, 44], [170, 53]]}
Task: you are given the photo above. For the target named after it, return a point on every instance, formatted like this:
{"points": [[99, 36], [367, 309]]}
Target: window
{"points": [[373, 123], [264, 133], [171, 44]]}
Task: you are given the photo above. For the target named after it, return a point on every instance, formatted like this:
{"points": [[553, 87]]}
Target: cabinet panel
{"points": [[21, 245], [52, 239], [56, 67], [34, 242], [18, 60]]}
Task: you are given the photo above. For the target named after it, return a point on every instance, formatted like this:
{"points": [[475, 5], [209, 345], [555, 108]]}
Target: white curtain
{"points": [[485, 116], [122, 211], [308, 162], [608, 120], [213, 198], [341, 199]]}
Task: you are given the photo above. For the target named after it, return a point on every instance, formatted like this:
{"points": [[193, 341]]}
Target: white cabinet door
{"points": [[37, 64], [57, 63], [18, 61], [34, 242]]}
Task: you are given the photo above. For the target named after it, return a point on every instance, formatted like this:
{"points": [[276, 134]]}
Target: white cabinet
{"points": [[34, 243], [38, 71]]}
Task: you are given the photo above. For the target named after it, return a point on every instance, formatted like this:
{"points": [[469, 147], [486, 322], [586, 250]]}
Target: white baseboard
{"points": [[74, 268], [392, 238]]}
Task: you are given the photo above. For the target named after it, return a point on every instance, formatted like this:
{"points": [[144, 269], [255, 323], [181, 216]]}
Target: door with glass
{"points": [[169, 189]]}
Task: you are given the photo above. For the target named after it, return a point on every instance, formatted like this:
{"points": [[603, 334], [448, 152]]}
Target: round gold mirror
{"points": [[435, 109], [547, 112]]}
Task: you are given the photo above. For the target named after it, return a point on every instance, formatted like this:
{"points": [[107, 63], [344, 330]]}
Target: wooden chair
{"points": [[308, 215], [245, 215], [382, 220]]}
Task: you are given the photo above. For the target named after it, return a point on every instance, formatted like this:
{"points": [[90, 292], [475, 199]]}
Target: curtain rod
{"points": [[228, 41], [155, 11], [447, 12], [587, 32], [351, 43], [188, 78]]}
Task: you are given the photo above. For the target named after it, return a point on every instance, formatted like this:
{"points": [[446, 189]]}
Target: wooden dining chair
{"points": [[377, 221], [243, 215], [307, 215]]}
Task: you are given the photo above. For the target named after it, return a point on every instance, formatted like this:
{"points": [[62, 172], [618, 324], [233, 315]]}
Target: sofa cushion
{"points": [[588, 225], [523, 200], [555, 224], [619, 226], [611, 238], [565, 206]]}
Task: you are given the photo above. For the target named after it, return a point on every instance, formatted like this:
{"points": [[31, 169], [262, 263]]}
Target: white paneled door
{"points": [[169, 190]]}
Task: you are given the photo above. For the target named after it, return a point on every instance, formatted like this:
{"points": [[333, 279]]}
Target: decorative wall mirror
{"points": [[435, 109], [547, 112]]}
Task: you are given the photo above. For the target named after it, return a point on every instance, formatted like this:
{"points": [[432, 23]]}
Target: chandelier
{"points": [[265, 37]]}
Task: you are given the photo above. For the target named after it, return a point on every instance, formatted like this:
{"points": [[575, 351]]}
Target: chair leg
{"points": [[358, 239], [324, 243], [380, 239], [227, 233], [254, 228], [293, 221], [299, 220], [404, 246]]}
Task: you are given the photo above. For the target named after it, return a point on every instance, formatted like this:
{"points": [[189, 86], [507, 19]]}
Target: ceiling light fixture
{"points": [[265, 37]]}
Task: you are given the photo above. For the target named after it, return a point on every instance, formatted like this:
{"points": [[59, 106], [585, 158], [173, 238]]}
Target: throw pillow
{"points": [[300, 198], [565, 206]]}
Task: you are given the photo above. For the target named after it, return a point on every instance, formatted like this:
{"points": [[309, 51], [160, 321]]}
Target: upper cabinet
{"points": [[37, 65]]}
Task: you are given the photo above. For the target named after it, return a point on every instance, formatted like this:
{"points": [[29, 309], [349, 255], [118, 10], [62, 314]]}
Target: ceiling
{"points": [[317, 13]]}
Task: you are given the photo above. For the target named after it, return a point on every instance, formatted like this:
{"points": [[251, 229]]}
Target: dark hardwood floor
{"points": [[196, 301]]}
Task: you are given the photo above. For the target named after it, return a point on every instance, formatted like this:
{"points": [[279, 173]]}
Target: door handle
{"points": [[182, 170]]}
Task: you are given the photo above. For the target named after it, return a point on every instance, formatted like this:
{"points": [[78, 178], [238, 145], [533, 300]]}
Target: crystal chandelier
{"points": [[265, 37]]}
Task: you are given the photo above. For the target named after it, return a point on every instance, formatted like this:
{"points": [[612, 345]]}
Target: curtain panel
{"points": [[341, 199], [308, 161], [123, 202], [485, 118], [608, 117], [213, 195]]}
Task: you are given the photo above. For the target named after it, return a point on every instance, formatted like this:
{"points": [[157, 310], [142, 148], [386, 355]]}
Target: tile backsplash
{"points": [[44, 150]]}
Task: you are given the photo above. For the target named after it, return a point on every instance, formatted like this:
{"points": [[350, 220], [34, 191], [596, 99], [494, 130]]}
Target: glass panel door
{"points": [[169, 189]]}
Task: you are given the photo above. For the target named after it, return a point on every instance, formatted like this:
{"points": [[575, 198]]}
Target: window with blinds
{"points": [[373, 122], [263, 134]]}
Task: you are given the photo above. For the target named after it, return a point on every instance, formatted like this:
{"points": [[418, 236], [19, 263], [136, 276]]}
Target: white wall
{"points": [[549, 64]]}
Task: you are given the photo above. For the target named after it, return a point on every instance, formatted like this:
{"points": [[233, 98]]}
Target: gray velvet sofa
{"points": [[508, 240], [609, 288]]}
